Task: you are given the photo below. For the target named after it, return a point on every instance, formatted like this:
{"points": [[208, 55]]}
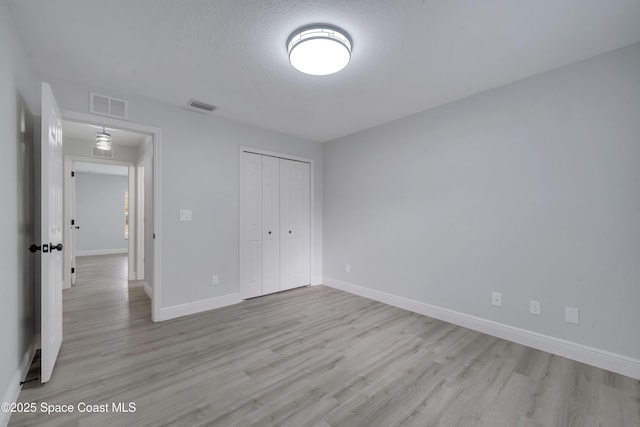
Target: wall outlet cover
{"points": [[496, 299], [534, 307]]}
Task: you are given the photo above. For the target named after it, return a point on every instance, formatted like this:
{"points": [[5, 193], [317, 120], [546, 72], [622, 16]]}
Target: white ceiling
{"points": [[87, 132], [100, 168], [408, 55]]}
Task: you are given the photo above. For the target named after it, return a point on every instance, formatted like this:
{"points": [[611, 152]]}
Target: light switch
{"points": [[185, 215]]}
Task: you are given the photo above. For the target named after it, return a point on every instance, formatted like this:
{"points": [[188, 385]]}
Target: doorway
{"points": [[98, 217], [129, 231]]}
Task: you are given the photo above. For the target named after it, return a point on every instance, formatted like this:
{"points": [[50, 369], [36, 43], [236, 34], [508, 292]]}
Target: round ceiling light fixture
{"points": [[319, 50]]}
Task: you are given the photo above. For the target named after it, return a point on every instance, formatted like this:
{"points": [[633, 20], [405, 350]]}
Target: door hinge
{"points": [[73, 174], [154, 235], [73, 270], [73, 222]]}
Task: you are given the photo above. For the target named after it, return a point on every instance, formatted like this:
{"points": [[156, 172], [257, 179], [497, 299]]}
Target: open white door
{"points": [[51, 232]]}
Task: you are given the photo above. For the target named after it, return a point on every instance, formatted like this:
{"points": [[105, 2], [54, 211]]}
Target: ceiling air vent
{"points": [[200, 106], [104, 154], [108, 106]]}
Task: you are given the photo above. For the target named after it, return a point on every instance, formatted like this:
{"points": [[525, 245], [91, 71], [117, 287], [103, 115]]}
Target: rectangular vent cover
{"points": [[103, 154], [108, 106], [203, 107]]}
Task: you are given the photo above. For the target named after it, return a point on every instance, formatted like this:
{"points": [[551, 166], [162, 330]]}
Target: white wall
{"points": [[18, 102], [531, 189], [100, 213], [200, 171]]}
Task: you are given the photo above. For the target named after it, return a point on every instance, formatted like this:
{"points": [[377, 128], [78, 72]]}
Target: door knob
{"points": [[289, 231], [57, 247], [269, 232], [34, 248]]}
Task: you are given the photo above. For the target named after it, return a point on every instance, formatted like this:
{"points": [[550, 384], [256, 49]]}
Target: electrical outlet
{"points": [[534, 307], [496, 299], [215, 280], [347, 268], [572, 315]]}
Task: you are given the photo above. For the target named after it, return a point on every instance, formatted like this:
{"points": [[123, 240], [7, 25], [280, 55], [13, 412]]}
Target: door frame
{"points": [[139, 168], [247, 149], [69, 200], [156, 141]]}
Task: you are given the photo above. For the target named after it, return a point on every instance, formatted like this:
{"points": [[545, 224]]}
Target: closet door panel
{"points": [[302, 224], [251, 225], [295, 214], [270, 225], [287, 236]]}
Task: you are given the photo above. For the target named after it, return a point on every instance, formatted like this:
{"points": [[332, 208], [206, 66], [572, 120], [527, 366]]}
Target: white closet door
{"points": [[295, 212], [251, 225], [270, 225]]}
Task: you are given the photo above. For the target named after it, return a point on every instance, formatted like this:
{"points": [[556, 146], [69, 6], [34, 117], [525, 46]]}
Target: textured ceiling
{"points": [[408, 55]]}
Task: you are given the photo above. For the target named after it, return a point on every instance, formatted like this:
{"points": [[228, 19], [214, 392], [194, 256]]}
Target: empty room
{"points": [[320, 213]]}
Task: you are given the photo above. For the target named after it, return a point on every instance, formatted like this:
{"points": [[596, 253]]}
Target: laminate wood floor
{"points": [[308, 357]]}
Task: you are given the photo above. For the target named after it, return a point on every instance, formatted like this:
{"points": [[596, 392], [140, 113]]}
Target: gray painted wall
{"points": [[200, 171], [530, 189], [100, 213], [17, 84]]}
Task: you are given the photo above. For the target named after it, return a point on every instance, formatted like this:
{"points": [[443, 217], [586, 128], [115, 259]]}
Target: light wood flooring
{"points": [[308, 357]]}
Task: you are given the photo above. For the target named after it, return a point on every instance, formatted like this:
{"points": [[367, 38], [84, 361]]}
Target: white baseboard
{"points": [[148, 290], [600, 358], [172, 312], [12, 393], [102, 252], [316, 280]]}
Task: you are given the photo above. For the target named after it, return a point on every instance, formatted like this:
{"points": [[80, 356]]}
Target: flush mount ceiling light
{"points": [[103, 140], [319, 50]]}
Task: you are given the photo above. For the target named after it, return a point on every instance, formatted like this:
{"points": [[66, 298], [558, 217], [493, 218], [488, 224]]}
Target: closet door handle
{"points": [[289, 231], [269, 232]]}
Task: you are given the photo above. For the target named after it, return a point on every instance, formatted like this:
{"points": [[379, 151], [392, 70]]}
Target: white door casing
{"points": [[140, 222], [51, 232]]}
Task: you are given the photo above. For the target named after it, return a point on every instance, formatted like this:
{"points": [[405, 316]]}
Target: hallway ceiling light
{"points": [[319, 50], [103, 140]]}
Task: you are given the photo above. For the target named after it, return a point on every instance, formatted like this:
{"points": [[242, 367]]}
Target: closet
{"points": [[275, 224]]}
